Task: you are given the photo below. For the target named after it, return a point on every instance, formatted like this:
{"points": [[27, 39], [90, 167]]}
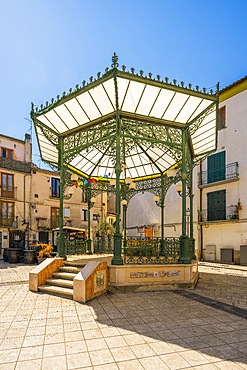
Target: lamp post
{"points": [[160, 203], [124, 204]]}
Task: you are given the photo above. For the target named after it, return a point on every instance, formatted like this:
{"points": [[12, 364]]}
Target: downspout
{"points": [[200, 217]]}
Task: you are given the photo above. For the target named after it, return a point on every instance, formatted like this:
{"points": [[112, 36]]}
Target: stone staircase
{"points": [[61, 283]]}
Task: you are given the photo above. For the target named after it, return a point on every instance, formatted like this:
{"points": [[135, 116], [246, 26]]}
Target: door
{"points": [[43, 237], [216, 205]]}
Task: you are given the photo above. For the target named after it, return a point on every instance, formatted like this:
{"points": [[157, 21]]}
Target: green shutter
{"points": [[216, 205], [216, 165]]}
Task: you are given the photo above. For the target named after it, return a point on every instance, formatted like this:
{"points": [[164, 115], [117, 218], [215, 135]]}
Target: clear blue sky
{"points": [[49, 46]]}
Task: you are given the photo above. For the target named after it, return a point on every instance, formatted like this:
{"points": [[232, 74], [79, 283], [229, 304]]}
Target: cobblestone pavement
{"points": [[205, 328]]}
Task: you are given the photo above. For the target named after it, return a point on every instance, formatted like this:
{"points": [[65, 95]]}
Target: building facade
{"points": [[29, 201]]}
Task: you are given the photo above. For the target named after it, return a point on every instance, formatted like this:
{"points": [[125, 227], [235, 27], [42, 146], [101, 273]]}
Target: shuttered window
{"points": [[216, 205], [216, 167], [222, 118]]}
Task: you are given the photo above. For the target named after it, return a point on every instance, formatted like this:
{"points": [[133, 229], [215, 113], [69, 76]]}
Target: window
{"points": [[7, 153], [216, 165], [84, 214], [222, 118], [55, 190], [66, 212], [84, 195], [6, 213], [7, 189], [54, 217], [216, 205]]}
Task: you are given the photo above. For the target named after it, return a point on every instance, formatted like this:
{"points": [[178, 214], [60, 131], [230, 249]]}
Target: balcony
{"points": [[220, 175], [8, 194], [14, 165], [224, 214]]}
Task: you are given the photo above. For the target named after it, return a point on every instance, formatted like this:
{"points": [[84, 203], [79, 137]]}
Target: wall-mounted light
{"points": [[124, 202], [179, 189], [156, 199], [113, 182], [74, 177], [70, 191], [171, 173], [128, 180]]}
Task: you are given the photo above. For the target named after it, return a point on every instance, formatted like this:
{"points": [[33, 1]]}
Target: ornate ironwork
{"points": [[149, 251], [103, 244], [75, 247]]}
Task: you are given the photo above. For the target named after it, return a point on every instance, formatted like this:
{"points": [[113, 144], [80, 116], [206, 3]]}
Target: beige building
{"points": [[29, 200]]}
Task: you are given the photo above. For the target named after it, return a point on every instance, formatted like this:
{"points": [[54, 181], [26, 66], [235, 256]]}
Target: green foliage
{"points": [[105, 228]]}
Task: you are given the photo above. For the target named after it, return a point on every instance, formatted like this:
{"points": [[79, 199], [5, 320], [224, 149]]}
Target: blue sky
{"points": [[49, 46]]}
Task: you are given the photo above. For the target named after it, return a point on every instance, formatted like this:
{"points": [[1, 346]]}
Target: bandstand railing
{"points": [[151, 250]]}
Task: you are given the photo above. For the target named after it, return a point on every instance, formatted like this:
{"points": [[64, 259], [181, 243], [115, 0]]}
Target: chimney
{"points": [[28, 149]]}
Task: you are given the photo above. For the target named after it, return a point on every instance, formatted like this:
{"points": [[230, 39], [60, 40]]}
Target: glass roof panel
{"points": [[189, 108], [175, 106], [132, 97], [44, 120], [55, 121], [66, 116], [122, 85], [110, 90], [161, 103], [148, 99], [77, 111], [101, 100], [204, 104], [88, 106]]}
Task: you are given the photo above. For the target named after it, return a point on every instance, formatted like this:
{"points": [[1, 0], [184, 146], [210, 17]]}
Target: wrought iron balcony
{"points": [[14, 165], [222, 214], [227, 173]]}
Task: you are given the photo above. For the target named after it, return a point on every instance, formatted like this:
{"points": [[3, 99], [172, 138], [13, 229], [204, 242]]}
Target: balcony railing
{"points": [[14, 165], [230, 171], [221, 214], [8, 194]]}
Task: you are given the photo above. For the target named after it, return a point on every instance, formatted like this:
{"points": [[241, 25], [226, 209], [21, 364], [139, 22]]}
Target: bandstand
{"points": [[126, 132]]}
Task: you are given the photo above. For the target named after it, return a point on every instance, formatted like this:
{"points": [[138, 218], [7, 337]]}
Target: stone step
{"points": [[60, 282], [56, 290], [72, 269], [64, 275]]}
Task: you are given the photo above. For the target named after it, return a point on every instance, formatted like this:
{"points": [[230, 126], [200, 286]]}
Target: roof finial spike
{"points": [[32, 107], [114, 61]]}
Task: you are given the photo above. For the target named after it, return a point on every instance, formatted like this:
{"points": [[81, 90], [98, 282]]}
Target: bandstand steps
{"points": [[61, 283], [57, 290]]}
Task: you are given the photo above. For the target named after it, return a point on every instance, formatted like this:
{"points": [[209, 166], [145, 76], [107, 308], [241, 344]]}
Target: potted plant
{"points": [[239, 205], [44, 251]]}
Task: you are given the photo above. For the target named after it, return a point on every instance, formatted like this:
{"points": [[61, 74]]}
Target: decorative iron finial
{"points": [[46, 103], [132, 70], [141, 73], [58, 97], [204, 90], [114, 61], [166, 79], [211, 91], [123, 68], [197, 88], [217, 86], [158, 77], [190, 86], [64, 93], [174, 82], [77, 87], [150, 75], [182, 83], [70, 90], [106, 70], [91, 79], [83, 83], [32, 106], [98, 75]]}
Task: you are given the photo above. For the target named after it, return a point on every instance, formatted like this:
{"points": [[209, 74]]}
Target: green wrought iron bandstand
{"points": [[127, 132]]}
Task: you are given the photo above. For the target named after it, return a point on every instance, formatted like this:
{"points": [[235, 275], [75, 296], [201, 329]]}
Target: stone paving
{"points": [[204, 329]]}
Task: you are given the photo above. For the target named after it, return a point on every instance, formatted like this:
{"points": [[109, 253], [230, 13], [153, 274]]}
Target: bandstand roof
{"points": [[152, 114]]}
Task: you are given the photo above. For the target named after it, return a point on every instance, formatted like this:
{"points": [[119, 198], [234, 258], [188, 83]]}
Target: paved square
{"points": [[204, 329]]}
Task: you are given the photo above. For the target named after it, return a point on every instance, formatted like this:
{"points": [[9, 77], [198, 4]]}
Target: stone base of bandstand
{"points": [[153, 277]]}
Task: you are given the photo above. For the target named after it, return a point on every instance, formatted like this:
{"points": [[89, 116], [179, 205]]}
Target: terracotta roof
{"points": [[233, 84]]}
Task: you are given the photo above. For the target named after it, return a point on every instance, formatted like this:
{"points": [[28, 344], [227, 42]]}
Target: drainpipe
{"points": [[200, 218]]}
